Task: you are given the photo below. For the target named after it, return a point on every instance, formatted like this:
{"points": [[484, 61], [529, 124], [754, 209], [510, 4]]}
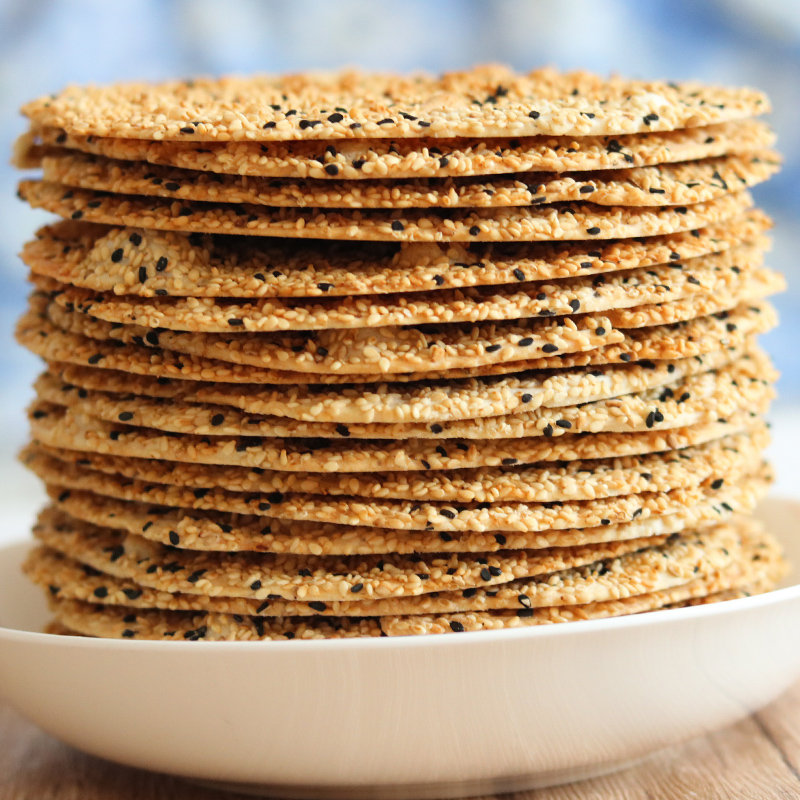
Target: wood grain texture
{"points": [[758, 759]]}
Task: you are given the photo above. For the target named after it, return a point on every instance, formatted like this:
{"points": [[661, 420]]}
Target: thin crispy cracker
{"points": [[196, 265], [61, 427], [267, 576], [61, 479], [555, 222], [487, 100], [578, 480], [719, 274], [617, 572], [661, 185], [561, 342], [111, 621], [419, 402], [224, 532], [744, 384], [413, 158]]}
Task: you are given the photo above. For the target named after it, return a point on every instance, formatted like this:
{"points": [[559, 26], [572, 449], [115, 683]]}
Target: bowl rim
{"points": [[580, 628]]}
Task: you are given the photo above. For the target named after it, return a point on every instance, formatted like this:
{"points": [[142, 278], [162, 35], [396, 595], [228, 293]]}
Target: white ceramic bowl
{"points": [[425, 717]]}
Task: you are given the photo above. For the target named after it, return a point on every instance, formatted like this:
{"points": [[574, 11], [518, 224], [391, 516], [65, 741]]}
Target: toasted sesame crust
{"points": [[754, 287], [98, 257], [488, 100], [579, 341], [218, 531], [267, 576], [695, 399], [761, 558], [759, 561], [62, 427], [619, 570], [554, 222], [419, 402], [578, 480], [403, 515], [723, 273], [263, 576], [343, 355], [661, 185], [359, 159], [352, 351]]}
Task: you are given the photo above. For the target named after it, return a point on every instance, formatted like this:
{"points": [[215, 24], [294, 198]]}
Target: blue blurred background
{"points": [[45, 44]]}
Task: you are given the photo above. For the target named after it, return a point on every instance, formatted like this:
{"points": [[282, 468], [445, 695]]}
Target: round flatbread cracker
{"points": [[353, 351], [487, 100], [263, 576], [761, 559], [616, 573], [401, 515], [103, 258], [719, 274], [759, 562], [577, 480], [413, 158], [408, 402], [62, 427], [743, 384], [218, 531], [557, 222], [395, 350], [662, 185]]}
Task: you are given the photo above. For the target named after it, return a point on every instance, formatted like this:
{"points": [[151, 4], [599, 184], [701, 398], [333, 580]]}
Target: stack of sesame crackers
{"points": [[356, 355]]}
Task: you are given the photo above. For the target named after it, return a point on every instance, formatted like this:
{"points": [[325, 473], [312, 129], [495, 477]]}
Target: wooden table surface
{"points": [[757, 759]]}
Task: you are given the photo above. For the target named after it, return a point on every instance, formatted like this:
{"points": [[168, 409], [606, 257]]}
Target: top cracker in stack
{"points": [[357, 355]]}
